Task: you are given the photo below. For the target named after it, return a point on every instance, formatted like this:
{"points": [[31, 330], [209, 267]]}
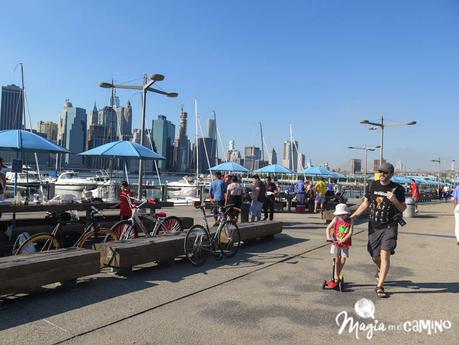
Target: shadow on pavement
{"points": [[21, 309], [415, 287]]}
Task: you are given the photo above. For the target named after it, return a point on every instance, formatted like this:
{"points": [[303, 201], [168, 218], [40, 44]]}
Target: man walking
{"points": [[271, 192], [321, 189], [456, 211], [258, 198], [386, 200], [217, 193]]}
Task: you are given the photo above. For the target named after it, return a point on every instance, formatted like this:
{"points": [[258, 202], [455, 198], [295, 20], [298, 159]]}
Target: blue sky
{"points": [[321, 66]]}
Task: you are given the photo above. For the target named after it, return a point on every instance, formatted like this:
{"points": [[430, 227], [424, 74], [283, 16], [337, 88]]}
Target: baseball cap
{"points": [[386, 167]]}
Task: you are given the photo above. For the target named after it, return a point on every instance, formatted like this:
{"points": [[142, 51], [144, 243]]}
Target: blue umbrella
{"points": [[338, 175], [125, 149], [317, 171], [20, 140], [229, 166], [274, 169], [24, 141]]}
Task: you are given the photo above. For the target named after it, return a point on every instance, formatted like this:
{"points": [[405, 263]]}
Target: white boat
{"points": [[102, 178], [185, 187], [69, 180], [24, 179]]}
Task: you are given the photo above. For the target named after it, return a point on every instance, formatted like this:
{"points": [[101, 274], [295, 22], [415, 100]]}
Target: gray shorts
{"points": [[320, 199], [382, 239], [339, 251]]}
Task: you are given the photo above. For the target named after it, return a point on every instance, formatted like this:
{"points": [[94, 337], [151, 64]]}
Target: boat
{"points": [[69, 180], [24, 179]]}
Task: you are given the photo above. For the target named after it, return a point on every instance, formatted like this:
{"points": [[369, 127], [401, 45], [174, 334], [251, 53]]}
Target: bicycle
{"points": [[129, 228], [48, 241], [199, 242]]}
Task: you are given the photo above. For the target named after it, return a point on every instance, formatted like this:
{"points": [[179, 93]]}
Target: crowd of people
{"points": [[314, 196], [228, 189]]}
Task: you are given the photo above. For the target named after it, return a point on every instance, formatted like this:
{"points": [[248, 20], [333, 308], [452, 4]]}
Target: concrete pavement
{"points": [[270, 293]]}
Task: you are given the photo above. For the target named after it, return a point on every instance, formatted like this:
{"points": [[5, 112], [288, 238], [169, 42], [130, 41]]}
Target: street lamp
{"points": [[439, 167], [383, 125], [366, 149], [144, 88]]}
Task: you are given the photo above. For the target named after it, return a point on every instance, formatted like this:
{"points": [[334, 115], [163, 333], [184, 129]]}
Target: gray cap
{"points": [[386, 167]]}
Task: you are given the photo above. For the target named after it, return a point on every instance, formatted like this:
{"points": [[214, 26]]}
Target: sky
{"points": [[320, 66]]}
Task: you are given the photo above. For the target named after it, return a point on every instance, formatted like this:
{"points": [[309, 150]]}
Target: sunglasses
{"points": [[383, 172]]}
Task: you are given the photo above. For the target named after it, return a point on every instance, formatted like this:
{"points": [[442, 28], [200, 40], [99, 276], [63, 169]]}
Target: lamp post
{"points": [[439, 167], [366, 149], [144, 88], [383, 125]]}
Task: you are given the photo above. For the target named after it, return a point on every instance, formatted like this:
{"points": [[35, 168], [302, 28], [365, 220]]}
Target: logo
{"points": [[365, 309]]}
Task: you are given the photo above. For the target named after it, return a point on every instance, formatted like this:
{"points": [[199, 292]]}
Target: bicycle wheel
{"points": [[170, 225], [93, 236], [229, 240], [38, 243], [124, 229], [197, 245]]}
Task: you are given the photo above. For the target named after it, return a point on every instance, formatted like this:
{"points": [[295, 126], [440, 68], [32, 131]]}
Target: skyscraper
{"points": [[163, 132], [356, 166], [48, 128], [272, 157], [11, 113], [108, 118], [72, 133], [182, 146], [290, 157]]}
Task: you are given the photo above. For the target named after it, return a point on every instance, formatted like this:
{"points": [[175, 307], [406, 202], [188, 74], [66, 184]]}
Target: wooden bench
{"points": [[24, 273], [123, 255]]}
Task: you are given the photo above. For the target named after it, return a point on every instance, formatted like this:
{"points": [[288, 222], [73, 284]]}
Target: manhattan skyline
{"points": [[322, 67]]}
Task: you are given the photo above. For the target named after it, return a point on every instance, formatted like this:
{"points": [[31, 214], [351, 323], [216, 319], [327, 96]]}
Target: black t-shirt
{"points": [[270, 187], [262, 192], [382, 211]]}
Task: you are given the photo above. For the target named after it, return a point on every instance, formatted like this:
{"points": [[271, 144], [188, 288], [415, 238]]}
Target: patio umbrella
{"points": [[124, 149], [317, 171], [338, 175], [20, 140], [274, 169], [229, 166]]}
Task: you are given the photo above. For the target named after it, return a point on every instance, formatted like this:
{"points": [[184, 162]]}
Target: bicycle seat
{"points": [[160, 214]]}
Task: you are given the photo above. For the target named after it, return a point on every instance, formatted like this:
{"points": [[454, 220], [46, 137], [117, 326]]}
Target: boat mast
{"points": [[291, 147], [216, 138], [197, 143]]}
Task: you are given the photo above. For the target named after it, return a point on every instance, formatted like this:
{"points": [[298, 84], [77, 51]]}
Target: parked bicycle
{"points": [[225, 241], [163, 225], [48, 241]]}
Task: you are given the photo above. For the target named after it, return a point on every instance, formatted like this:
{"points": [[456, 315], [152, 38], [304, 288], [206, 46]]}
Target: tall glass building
{"points": [[72, 134], [163, 132], [12, 107]]}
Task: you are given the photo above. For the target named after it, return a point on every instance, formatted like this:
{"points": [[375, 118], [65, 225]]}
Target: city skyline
{"points": [[320, 67]]}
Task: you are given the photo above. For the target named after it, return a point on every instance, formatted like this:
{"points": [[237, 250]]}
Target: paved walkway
{"points": [[269, 294]]}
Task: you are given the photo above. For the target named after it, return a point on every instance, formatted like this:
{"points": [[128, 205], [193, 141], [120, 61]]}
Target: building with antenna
{"points": [[182, 146], [272, 157]]}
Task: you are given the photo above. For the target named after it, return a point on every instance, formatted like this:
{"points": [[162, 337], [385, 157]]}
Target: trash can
{"points": [[410, 207], [245, 210]]}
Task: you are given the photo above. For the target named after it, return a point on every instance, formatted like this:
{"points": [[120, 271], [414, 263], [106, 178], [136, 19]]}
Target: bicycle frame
{"points": [[135, 218], [222, 216]]}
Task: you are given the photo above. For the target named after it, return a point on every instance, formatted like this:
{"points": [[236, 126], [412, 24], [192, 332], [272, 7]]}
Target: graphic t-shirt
{"points": [[341, 229], [382, 211]]}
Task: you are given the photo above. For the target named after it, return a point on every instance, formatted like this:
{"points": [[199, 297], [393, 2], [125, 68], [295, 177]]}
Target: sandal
{"points": [[380, 292]]}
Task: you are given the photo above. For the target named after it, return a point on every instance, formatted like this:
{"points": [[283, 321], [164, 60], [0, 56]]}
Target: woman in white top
{"points": [[234, 194]]}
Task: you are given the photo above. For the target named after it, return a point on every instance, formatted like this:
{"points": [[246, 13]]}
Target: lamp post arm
{"points": [[157, 91]]}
